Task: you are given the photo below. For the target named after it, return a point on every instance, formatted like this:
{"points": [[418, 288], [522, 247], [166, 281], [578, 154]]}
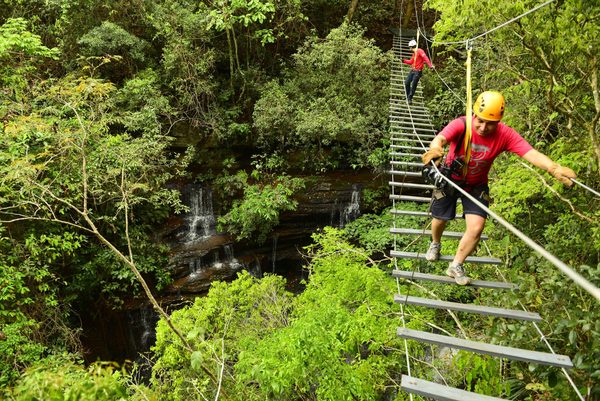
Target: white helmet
{"points": [[412, 43]]}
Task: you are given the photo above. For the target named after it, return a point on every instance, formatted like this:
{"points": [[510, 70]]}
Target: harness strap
{"points": [[469, 116]]}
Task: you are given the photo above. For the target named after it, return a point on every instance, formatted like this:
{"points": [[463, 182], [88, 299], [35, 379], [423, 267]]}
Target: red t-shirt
{"points": [[418, 59], [483, 149]]}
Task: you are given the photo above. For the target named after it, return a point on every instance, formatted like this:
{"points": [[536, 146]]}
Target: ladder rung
{"points": [[440, 392], [498, 285], [415, 213], [423, 134], [403, 110], [403, 115], [406, 147], [415, 109], [418, 231], [446, 258], [399, 163], [400, 104], [406, 140], [500, 351], [410, 213], [393, 128], [405, 123], [411, 185], [406, 173], [410, 198], [402, 154], [471, 308]]}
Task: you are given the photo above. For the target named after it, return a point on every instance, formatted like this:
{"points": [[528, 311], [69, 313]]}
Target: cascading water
{"points": [[142, 333], [201, 219], [352, 210], [231, 260]]}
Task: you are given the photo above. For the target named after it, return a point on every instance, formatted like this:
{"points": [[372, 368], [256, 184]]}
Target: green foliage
{"points": [[31, 314], [141, 105], [322, 106], [340, 343], [20, 52], [374, 199], [257, 213], [537, 63], [445, 105], [111, 39], [483, 374], [71, 163], [372, 232], [334, 341], [231, 318], [241, 12], [18, 350], [61, 378]]}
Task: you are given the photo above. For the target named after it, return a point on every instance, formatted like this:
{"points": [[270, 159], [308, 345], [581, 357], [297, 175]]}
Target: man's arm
{"points": [[540, 160], [426, 59], [438, 142]]}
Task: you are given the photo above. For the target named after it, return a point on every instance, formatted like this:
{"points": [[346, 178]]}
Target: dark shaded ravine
{"points": [[200, 255]]}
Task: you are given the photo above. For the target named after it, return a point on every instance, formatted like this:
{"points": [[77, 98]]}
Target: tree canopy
{"points": [[108, 108]]}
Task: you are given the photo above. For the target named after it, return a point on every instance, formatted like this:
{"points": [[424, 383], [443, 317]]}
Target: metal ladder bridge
{"points": [[410, 133]]}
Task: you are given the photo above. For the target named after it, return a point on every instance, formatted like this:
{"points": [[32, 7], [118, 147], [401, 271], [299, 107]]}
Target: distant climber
{"points": [[489, 138], [416, 61]]}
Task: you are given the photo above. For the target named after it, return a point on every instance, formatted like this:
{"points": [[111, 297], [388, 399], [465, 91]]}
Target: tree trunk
{"points": [[407, 13], [593, 126], [353, 5]]}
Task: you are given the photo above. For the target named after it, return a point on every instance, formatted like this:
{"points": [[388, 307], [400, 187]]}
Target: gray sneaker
{"points": [[457, 271], [433, 253]]}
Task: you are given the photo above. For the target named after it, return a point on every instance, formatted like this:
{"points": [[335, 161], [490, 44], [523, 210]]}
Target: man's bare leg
{"points": [[470, 239], [466, 246], [437, 229]]}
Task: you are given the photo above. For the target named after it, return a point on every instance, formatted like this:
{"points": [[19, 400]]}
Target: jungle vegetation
{"points": [[104, 105]]}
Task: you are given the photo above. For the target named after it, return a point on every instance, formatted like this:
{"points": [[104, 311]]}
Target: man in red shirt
{"points": [[489, 138], [412, 80]]}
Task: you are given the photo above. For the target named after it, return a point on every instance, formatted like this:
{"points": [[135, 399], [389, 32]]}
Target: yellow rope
{"points": [[469, 118]]}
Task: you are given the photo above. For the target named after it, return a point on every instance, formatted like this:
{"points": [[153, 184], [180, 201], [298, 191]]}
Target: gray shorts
{"points": [[443, 206]]}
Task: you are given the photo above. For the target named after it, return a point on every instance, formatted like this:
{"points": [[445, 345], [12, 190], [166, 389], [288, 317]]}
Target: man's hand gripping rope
{"points": [[562, 174], [435, 154]]}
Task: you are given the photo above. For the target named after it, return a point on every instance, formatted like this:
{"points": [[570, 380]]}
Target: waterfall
{"points": [[352, 210], [195, 265], [148, 338], [201, 219], [142, 331], [231, 260]]}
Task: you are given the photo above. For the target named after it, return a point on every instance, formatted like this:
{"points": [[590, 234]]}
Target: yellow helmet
{"points": [[489, 106]]}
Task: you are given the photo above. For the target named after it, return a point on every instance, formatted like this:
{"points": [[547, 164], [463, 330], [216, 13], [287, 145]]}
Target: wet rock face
{"points": [[199, 254]]}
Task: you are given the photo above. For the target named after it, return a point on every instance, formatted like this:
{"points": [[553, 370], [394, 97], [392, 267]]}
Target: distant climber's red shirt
{"points": [[417, 60], [483, 149]]}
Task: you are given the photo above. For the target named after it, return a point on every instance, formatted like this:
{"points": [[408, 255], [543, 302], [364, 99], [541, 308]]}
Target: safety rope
{"points": [[489, 31], [402, 314], [586, 187], [572, 274], [567, 270], [542, 335], [576, 277]]}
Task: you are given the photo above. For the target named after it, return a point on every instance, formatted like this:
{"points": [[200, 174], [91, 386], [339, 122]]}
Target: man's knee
{"points": [[475, 225]]}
